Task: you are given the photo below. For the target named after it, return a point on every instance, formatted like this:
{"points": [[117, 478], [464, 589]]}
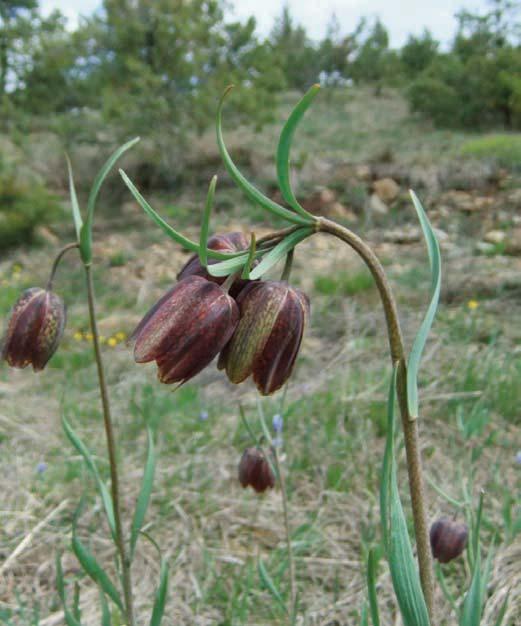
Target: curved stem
{"points": [[111, 448], [410, 427], [57, 260]]}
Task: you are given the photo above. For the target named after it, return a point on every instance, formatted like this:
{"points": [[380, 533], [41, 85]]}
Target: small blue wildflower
{"points": [[277, 423], [518, 458], [203, 416], [41, 467]]}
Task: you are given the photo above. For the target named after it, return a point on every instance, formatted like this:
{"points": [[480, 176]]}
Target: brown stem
{"points": [[111, 448], [57, 260], [410, 426]]}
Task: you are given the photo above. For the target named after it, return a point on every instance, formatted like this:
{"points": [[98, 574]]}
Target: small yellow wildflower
{"points": [[112, 342], [89, 336], [78, 336], [17, 268], [472, 304], [120, 336]]}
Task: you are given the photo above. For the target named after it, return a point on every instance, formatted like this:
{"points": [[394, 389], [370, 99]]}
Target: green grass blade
{"points": [[91, 466], [364, 616], [472, 606], [76, 602], [267, 581], [371, 587], [76, 213], [225, 268], [70, 620], [413, 363], [144, 494], [93, 569], [280, 251], [251, 257], [105, 612], [284, 147], [161, 593], [404, 575], [205, 226], [188, 244], [251, 192]]}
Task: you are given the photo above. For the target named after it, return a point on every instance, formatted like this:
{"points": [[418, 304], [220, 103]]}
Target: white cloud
{"points": [[401, 17]]}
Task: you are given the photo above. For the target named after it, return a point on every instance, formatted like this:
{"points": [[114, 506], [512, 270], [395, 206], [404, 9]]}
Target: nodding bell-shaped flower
{"points": [[186, 329], [268, 337], [34, 329], [255, 471], [448, 539], [227, 242]]}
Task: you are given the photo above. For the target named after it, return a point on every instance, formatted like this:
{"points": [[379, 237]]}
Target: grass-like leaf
{"points": [[105, 612], [86, 229], [161, 593], [76, 213], [93, 569], [91, 466], [472, 606], [502, 611], [404, 575], [364, 616], [250, 191], [205, 225], [70, 620], [280, 251], [186, 243], [371, 587], [251, 257], [413, 363], [144, 494], [230, 266], [284, 147], [267, 581]]}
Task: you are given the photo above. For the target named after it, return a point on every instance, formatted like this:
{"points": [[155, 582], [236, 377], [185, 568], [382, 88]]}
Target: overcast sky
{"points": [[401, 17]]}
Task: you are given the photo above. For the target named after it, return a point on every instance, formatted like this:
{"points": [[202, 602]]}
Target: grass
{"points": [[502, 147], [211, 530]]}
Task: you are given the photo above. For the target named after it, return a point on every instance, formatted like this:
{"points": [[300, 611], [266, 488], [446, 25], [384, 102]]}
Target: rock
{"points": [[467, 202], [320, 201], [43, 233], [483, 247], [339, 211], [386, 189], [377, 206], [494, 236], [363, 172], [410, 234]]}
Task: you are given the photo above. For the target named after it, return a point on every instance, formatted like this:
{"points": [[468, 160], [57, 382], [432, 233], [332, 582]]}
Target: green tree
{"points": [[15, 19], [418, 53], [374, 61]]}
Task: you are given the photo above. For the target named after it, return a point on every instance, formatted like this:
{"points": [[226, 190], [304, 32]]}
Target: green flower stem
{"points": [[59, 256], [410, 427], [111, 448], [291, 560]]}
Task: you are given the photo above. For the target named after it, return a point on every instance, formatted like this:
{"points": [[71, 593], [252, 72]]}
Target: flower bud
{"points": [[268, 336], [186, 329], [34, 329], [255, 471], [228, 242], [448, 539]]}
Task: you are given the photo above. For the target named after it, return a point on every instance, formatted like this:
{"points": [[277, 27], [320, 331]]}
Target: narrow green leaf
{"points": [[76, 602], [105, 612], [250, 191], [364, 616], [446, 592], [89, 461], [205, 226], [76, 213], [371, 587], [502, 611], [267, 581], [251, 257], [404, 575], [144, 494], [160, 600], [94, 569], [280, 251], [188, 244], [413, 363], [472, 606], [70, 620], [284, 147], [86, 229], [231, 266]]}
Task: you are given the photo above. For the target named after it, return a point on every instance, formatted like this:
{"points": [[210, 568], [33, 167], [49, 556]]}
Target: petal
{"points": [[259, 307], [273, 367], [50, 331]]}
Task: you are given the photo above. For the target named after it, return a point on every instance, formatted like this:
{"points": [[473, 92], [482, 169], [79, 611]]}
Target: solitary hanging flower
{"points": [[255, 471], [268, 337], [448, 539], [186, 329], [34, 329], [228, 242]]}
